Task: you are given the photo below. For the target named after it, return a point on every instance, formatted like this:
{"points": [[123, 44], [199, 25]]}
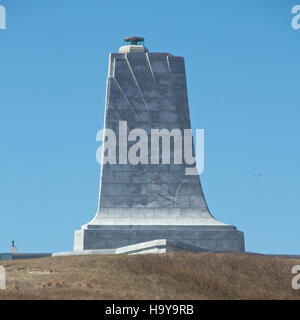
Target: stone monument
{"points": [[144, 202]]}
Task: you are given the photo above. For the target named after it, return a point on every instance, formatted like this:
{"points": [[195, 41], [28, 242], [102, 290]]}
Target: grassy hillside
{"points": [[166, 276]]}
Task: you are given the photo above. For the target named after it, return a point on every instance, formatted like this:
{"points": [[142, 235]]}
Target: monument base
{"points": [[211, 238]]}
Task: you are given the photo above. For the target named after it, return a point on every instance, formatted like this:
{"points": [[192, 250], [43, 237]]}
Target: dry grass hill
{"points": [[165, 276]]}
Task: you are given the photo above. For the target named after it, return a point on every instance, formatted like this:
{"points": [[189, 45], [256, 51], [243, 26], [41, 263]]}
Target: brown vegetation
{"points": [[165, 276]]}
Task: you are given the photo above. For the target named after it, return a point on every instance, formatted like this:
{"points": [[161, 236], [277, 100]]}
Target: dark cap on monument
{"points": [[134, 40], [133, 44]]}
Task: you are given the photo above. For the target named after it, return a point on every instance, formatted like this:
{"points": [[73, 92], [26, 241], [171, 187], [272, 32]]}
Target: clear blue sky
{"points": [[242, 64]]}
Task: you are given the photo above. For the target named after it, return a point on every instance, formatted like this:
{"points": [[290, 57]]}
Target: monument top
{"points": [[134, 40], [133, 44]]}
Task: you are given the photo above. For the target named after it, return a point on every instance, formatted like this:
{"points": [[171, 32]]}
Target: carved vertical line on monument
{"points": [[115, 111], [154, 175], [167, 192], [107, 94], [151, 71], [136, 83], [127, 101], [168, 62], [111, 66], [154, 80], [178, 189]]}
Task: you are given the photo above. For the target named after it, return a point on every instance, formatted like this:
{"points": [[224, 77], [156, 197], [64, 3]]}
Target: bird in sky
{"points": [[257, 174]]}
